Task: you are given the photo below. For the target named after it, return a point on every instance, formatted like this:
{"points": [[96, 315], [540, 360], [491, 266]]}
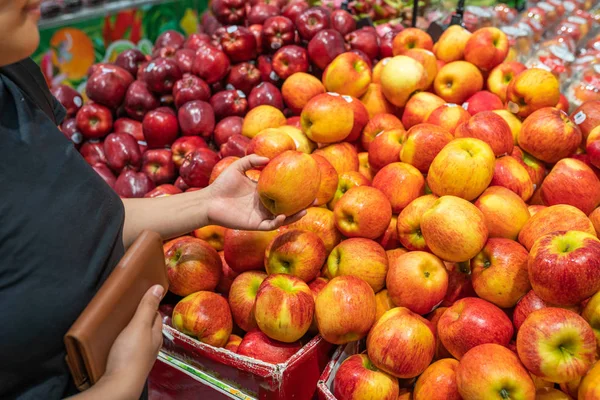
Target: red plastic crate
{"points": [[239, 376]]}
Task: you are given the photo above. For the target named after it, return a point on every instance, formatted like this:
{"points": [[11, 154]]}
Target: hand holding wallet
{"points": [[91, 337]]}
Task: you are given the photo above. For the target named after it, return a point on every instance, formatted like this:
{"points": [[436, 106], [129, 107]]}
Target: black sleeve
{"points": [[59, 111]]}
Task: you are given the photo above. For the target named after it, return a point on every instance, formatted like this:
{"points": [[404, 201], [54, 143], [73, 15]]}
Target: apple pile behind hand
{"points": [[435, 229]]}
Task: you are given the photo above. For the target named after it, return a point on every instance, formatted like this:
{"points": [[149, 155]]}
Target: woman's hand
{"points": [[234, 202], [133, 354]]}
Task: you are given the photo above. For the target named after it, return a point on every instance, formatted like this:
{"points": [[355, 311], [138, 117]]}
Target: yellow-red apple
{"points": [[327, 118], [343, 156], [233, 343], [385, 148], [589, 389], [491, 128], [409, 223], [384, 303], [483, 101], [411, 38], [227, 277], [531, 90], [401, 77], [486, 48], [213, 235], [270, 143], [438, 381], [535, 168], [451, 45], [401, 183], [375, 102], [357, 378], [348, 74], [389, 239], [449, 116], [245, 250], [587, 117], [303, 143], [591, 313], [505, 212], [422, 144], [204, 315], [259, 346], [298, 89], [376, 78], [457, 81], [329, 180], [322, 222], [377, 125], [501, 76], [346, 181], [427, 60], [345, 309], [364, 167], [363, 211], [242, 296], [419, 107], [509, 173], [260, 118], [514, 123], [220, 167], [361, 117]]}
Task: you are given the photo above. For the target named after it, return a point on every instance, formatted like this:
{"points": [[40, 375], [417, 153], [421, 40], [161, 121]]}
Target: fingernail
{"points": [[158, 291]]}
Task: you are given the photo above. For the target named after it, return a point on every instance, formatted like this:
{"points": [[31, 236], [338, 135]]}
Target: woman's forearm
{"points": [[169, 216]]}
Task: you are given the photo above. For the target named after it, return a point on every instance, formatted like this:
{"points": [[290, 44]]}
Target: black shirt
{"points": [[60, 237]]}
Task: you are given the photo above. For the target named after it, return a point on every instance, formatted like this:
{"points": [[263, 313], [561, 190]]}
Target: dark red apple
{"points": [[161, 74], [190, 88], [122, 152], [108, 88], [139, 100], [165, 189], [159, 166], [325, 46], [265, 93], [342, 21], [244, 77], [94, 121], [131, 184], [160, 129], [265, 66], [311, 21], [69, 98], [180, 184], [196, 41], [130, 60], [259, 346], [185, 60], [105, 173], [365, 40], [277, 32], [197, 167], [184, 146], [170, 38], [294, 8], [69, 129], [102, 67], [239, 44], [290, 59], [168, 110], [196, 118], [92, 152], [259, 13], [209, 22], [386, 44], [235, 146], [228, 103], [257, 32], [164, 52], [229, 12], [276, 3], [134, 128], [227, 127], [211, 64]]}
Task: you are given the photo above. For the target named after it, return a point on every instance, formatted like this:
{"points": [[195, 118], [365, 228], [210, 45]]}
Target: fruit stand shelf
{"points": [[94, 12]]}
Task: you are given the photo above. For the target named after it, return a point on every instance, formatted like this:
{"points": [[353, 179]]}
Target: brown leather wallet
{"points": [[89, 340]]}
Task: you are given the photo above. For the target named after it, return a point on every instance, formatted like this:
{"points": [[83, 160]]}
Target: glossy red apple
{"points": [[265, 94], [229, 103], [69, 129], [139, 100], [170, 38], [131, 184], [235, 146], [257, 32], [160, 75], [267, 73], [94, 121], [93, 152], [190, 88], [162, 191], [311, 21], [294, 8], [197, 167], [259, 346], [227, 127], [277, 32], [259, 13], [106, 174], [184, 146], [365, 40], [342, 21], [211, 64], [160, 129], [69, 98], [196, 118], [325, 46], [122, 152], [243, 76], [185, 60], [196, 41], [290, 59], [229, 11], [130, 60], [159, 166], [108, 87], [239, 44]]}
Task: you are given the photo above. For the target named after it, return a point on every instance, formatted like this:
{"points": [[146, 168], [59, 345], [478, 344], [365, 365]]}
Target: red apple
{"points": [[190, 88], [196, 41], [130, 60], [93, 152], [459, 283], [196, 118], [401, 183], [235, 146], [320, 221], [184, 146], [163, 191], [192, 265], [342, 21], [243, 76], [211, 64], [363, 211], [160, 75], [139, 100], [134, 128], [185, 60], [289, 60], [108, 87], [159, 166], [491, 128], [227, 127], [133, 184], [229, 103], [229, 11], [94, 121], [294, 8], [311, 21], [471, 322], [69, 129], [197, 167], [486, 48], [365, 40], [295, 252], [69, 98], [221, 166], [265, 94], [509, 173], [242, 297], [239, 44], [170, 38], [245, 250], [483, 101], [587, 117], [422, 144], [325, 46], [277, 32], [106, 174], [227, 277], [357, 376], [261, 12], [122, 152], [233, 343], [259, 346], [160, 129]]}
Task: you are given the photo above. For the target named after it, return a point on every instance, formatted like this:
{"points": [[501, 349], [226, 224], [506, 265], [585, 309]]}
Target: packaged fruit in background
{"points": [[555, 58], [591, 45], [536, 20], [586, 87], [505, 14], [520, 41], [586, 61]]}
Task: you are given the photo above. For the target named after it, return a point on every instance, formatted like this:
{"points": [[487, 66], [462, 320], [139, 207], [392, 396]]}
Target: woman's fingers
{"points": [[146, 311], [252, 161]]}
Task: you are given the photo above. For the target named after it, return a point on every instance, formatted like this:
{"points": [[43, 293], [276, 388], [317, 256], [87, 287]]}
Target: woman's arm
{"points": [[231, 201]]}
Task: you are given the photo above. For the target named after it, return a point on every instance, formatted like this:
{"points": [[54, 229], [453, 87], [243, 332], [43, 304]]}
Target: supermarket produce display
{"points": [[450, 246]]}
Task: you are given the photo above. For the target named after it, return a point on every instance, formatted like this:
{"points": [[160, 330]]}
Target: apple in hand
{"points": [[491, 128], [401, 343], [418, 281], [278, 180], [284, 307], [131, 184], [345, 309], [197, 167], [270, 143], [556, 345], [204, 315], [159, 166], [492, 371], [358, 378], [245, 250], [438, 381], [94, 121], [259, 346], [471, 322], [363, 211], [242, 298], [363, 258], [296, 252], [122, 152], [192, 265]]}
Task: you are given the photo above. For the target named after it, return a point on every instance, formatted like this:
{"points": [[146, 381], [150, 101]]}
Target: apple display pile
{"points": [[452, 203]]}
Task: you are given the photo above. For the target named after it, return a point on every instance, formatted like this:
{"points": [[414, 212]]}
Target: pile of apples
{"points": [[452, 207]]}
